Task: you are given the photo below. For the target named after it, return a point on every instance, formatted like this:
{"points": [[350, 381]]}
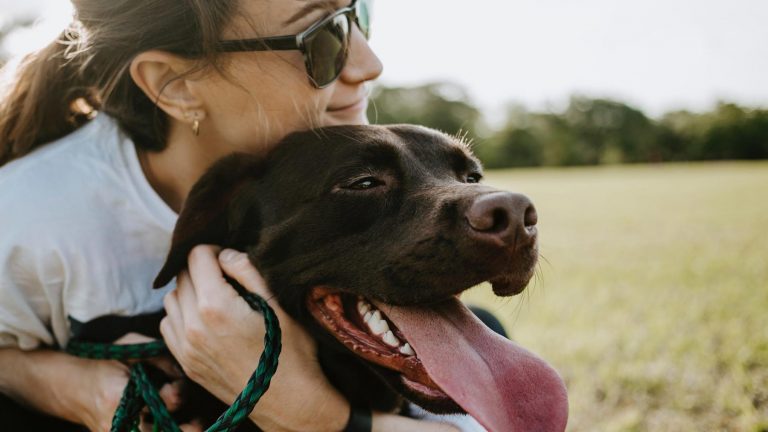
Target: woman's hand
{"points": [[108, 379], [100, 390], [217, 338]]}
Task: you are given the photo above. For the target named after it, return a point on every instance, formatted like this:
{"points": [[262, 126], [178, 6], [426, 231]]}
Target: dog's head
{"points": [[367, 234]]}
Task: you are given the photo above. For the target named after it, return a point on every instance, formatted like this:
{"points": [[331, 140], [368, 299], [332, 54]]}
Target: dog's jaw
{"points": [[370, 335]]}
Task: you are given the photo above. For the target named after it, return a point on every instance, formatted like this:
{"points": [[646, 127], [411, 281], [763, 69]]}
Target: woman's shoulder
{"points": [[66, 167], [85, 179], [95, 142]]}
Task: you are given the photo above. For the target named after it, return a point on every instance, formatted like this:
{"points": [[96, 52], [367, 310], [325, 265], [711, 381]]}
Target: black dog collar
{"points": [[359, 420]]}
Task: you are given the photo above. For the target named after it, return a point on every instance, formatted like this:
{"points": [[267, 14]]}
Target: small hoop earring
{"points": [[196, 127]]}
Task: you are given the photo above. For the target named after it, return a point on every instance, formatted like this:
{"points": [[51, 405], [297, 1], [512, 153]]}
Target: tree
{"points": [[736, 133], [728, 132], [587, 132], [441, 106], [607, 131], [514, 145]]}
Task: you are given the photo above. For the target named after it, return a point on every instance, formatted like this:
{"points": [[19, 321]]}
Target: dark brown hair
{"points": [[87, 68]]}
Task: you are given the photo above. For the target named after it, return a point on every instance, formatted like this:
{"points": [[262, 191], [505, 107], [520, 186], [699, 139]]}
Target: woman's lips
{"points": [[354, 107]]}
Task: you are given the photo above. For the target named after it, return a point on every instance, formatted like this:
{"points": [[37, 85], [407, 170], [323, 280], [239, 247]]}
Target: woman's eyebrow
{"points": [[310, 7]]}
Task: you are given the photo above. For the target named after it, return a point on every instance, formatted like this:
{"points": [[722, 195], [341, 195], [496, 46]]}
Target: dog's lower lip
{"points": [[430, 392]]}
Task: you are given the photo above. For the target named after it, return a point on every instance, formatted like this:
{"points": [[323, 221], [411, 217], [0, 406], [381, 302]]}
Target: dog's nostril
{"points": [[500, 220], [531, 218], [489, 220], [494, 222]]}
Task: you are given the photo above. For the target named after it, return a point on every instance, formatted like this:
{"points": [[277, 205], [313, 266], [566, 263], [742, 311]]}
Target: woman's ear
{"points": [[164, 78]]}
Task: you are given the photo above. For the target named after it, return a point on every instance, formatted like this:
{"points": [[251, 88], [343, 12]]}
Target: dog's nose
{"points": [[503, 216]]}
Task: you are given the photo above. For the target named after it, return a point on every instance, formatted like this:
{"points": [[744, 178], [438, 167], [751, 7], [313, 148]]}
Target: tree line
{"points": [[586, 132]]}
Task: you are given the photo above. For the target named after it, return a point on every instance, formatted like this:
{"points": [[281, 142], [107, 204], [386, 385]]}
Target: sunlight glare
{"points": [[53, 20]]}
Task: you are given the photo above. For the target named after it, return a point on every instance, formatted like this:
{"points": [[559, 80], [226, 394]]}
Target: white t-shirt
{"points": [[82, 235]]}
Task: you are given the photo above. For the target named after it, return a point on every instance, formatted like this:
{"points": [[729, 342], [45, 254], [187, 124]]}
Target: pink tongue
{"points": [[502, 385]]}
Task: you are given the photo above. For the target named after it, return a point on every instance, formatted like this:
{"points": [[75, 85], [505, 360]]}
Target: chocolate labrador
{"points": [[367, 235]]}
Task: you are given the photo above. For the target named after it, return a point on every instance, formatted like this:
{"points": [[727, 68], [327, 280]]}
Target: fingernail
{"points": [[228, 255]]}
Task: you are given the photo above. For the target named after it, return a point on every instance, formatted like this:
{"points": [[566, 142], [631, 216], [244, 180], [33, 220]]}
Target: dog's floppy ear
{"points": [[205, 218]]}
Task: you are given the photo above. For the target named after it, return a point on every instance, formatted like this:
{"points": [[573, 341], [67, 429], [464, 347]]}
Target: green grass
{"points": [[652, 295]]}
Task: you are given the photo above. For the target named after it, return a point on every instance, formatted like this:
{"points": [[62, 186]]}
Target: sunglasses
{"points": [[325, 44]]}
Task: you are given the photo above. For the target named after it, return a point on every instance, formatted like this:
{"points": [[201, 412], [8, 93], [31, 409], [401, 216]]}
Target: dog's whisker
{"points": [[544, 258], [461, 137]]}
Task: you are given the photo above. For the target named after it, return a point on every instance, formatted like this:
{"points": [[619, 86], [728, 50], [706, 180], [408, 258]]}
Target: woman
{"points": [[91, 202]]}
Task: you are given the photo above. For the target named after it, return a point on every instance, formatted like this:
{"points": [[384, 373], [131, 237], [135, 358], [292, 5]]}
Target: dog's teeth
{"points": [[407, 350], [376, 316], [363, 307], [391, 340], [377, 325], [367, 316]]}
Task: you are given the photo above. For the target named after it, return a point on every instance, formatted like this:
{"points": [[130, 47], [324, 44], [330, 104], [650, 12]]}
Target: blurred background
{"points": [[640, 130]]}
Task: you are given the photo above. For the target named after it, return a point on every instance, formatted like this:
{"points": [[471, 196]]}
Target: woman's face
{"points": [[264, 95]]}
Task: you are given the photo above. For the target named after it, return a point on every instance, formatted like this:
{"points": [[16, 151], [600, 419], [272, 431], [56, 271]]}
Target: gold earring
{"points": [[196, 127]]}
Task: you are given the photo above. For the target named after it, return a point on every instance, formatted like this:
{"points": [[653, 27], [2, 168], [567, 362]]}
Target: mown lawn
{"points": [[652, 295]]}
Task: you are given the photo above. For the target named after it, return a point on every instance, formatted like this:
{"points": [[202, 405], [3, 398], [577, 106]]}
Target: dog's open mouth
{"points": [[446, 357], [369, 333]]}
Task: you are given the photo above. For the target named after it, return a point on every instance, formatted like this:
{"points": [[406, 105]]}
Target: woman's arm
{"points": [[218, 339], [78, 390]]}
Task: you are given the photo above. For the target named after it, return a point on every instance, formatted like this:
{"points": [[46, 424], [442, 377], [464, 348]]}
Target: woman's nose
{"points": [[362, 64]]}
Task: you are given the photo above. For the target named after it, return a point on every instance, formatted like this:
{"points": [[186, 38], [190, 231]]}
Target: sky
{"points": [[657, 55]]}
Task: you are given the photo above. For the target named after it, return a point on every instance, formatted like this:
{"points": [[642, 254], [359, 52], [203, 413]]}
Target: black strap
{"points": [[359, 420]]}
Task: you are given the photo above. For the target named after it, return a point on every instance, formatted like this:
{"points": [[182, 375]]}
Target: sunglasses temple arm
{"points": [[277, 43]]}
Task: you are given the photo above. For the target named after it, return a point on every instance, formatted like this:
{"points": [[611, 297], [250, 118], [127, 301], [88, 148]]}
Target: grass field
{"points": [[652, 297]]}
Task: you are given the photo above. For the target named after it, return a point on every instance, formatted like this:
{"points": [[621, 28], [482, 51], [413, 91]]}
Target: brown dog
{"points": [[366, 235]]}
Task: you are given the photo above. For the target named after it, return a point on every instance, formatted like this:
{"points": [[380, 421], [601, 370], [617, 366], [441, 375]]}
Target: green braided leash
{"points": [[140, 391]]}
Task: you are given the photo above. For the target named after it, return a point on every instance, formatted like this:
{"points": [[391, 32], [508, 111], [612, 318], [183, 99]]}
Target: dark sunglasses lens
{"points": [[327, 50], [363, 12]]}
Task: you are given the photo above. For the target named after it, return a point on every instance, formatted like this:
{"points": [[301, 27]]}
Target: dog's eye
{"points": [[365, 183], [474, 178]]}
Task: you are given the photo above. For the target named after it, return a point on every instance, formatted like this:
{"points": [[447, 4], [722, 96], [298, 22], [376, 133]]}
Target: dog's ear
{"points": [[206, 217]]}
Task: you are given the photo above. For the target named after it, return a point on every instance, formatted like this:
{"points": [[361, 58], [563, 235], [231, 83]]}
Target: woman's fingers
{"points": [[207, 279], [238, 266], [164, 363], [193, 426], [185, 295], [171, 394], [173, 322], [209, 289], [133, 338]]}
